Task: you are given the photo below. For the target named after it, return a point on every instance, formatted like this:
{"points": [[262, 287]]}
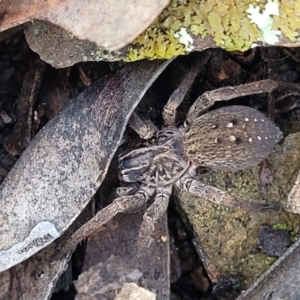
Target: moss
{"points": [[282, 226]]}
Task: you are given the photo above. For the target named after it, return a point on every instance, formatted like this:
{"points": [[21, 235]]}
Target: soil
{"points": [[32, 92]]}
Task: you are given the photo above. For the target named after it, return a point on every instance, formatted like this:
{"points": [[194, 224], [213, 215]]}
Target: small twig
{"points": [[30, 88]]}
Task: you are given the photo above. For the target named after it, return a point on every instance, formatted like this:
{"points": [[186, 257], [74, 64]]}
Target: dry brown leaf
{"points": [[48, 212], [111, 24]]}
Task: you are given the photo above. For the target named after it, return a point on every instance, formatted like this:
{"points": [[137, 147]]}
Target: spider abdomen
{"points": [[230, 138]]}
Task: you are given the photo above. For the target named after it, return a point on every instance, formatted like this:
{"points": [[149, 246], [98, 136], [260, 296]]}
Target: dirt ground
{"points": [[32, 92]]}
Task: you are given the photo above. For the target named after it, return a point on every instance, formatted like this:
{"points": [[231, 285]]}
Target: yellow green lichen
{"points": [[230, 24], [264, 20], [289, 20]]}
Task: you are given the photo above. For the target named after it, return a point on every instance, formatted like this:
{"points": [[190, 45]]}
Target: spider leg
{"points": [[127, 190], [169, 112], [152, 215], [144, 128], [208, 99], [217, 196], [202, 103], [119, 205]]}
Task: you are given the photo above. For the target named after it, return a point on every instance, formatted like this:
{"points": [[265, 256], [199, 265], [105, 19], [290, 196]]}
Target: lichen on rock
{"points": [[230, 24], [230, 236]]}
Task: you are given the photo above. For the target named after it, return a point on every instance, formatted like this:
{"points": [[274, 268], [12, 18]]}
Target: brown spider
{"points": [[229, 138]]}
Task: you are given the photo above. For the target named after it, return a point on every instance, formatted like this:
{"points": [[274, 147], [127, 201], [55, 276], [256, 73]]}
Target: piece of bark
{"points": [[22, 133], [64, 165], [281, 281], [112, 260]]}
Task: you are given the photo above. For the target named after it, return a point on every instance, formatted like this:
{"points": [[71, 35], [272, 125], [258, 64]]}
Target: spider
{"points": [[229, 138]]}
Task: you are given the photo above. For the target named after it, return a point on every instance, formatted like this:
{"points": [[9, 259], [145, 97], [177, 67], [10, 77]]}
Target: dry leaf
{"points": [[66, 162], [111, 24]]}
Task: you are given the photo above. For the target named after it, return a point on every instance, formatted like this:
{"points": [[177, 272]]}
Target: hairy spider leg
{"points": [[156, 210], [144, 128], [119, 205], [169, 111], [217, 196]]}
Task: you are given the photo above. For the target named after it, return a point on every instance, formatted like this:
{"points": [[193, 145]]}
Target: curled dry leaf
{"points": [[66, 162], [111, 24]]}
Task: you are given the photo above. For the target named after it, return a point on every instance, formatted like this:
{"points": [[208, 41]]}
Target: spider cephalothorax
{"points": [[158, 165], [229, 138]]}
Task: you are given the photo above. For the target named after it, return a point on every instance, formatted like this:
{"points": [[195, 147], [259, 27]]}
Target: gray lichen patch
{"points": [[230, 237]]}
